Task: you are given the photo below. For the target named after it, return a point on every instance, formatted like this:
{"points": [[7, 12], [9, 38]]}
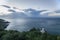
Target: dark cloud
{"points": [[11, 10], [15, 15], [57, 11], [18, 15], [33, 12], [6, 6], [30, 11], [15, 8]]}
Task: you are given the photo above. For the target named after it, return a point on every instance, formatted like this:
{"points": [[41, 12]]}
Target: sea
{"points": [[51, 25]]}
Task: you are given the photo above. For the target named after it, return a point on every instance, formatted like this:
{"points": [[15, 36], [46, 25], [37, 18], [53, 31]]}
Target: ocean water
{"points": [[52, 25]]}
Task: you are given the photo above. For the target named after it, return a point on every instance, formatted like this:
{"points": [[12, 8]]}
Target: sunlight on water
{"points": [[16, 24]]}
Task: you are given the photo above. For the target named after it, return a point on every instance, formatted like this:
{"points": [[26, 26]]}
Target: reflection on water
{"points": [[51, 25]]}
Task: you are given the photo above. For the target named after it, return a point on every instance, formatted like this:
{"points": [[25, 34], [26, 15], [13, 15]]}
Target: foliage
{"points": [[29, 35]]}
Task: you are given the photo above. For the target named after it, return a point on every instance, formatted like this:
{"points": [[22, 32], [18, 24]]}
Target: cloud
{"points": [[3, 2], [57, 11], [6, 6], [4, 9], [26, 13], [52, 14], [11, 10], [33, 13], [14, 15]]}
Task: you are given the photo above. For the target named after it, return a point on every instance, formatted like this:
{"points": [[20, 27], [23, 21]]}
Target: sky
{"points": [[51, 5], [36, 4], [58, 4]]}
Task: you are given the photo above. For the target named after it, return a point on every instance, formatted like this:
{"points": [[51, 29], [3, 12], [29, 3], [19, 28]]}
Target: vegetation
{"points": [[29, 35], [33, 34], [3, 24]]}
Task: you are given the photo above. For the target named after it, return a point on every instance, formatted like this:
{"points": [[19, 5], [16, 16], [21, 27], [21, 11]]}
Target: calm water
{"points": [[52, 25]]}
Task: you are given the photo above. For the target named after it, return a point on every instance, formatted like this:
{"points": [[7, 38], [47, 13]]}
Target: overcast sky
{"points": [[35, 4], [51, 5]]}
